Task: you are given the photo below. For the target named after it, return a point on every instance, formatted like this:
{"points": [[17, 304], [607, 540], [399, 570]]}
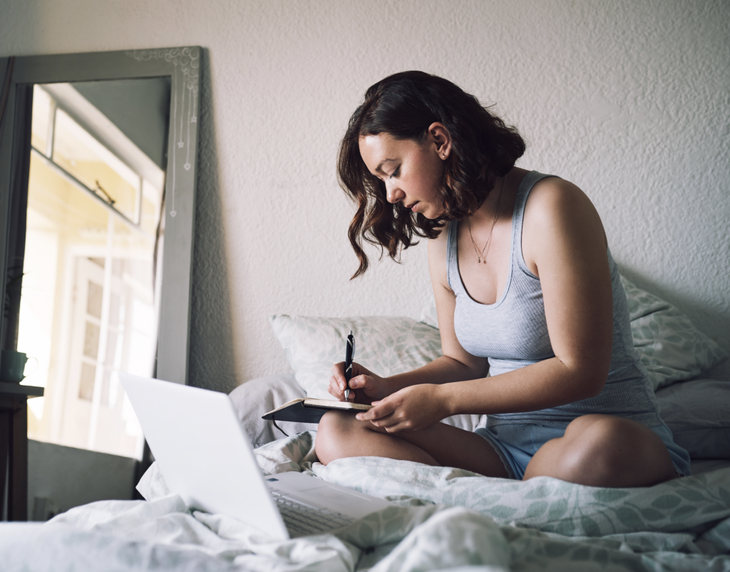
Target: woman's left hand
{"points": [[409, 409]]}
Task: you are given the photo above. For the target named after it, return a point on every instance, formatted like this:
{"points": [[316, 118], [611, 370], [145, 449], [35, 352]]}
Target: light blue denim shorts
{"points": [[517, 443]]}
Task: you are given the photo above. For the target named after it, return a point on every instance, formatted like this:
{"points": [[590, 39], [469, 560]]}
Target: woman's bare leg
{"points": [[596, 450], [604, 451], [340, 435]]}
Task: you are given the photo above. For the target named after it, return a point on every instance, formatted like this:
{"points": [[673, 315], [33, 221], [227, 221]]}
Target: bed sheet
{"points": [[442, 519]]}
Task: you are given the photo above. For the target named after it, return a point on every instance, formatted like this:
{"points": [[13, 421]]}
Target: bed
{"points": [[442, 518]]}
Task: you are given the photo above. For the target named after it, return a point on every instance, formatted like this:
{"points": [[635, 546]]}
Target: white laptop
{"points": [[206, 457]]}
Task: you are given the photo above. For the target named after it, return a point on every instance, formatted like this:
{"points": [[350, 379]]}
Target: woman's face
{"points": [[411, 170]]}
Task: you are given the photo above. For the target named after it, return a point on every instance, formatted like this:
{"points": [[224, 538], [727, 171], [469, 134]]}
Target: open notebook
{"points": [[206, 457]]}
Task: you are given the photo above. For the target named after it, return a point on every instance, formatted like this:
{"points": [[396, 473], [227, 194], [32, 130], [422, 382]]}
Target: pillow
{"points": [[671, 348], [698, 413], [256, 397], [384, 345]]}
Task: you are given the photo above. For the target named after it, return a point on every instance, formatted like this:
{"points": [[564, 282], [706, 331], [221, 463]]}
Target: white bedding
{"points": [[445, 519]]}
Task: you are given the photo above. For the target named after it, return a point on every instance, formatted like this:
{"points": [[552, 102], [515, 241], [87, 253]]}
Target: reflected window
{"points": [[83, 157], [87, 305]]}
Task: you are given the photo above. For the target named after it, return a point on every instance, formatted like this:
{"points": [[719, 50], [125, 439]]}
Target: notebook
{"points": [[311, 410], [206, 457]]}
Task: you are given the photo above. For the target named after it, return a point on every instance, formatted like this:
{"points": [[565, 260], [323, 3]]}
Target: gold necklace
{"points": [[481, 254]]}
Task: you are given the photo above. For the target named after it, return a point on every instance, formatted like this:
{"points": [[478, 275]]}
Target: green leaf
{"points": [[539, 492], [651, 514], [589, 526], [683, 512], [557, 509], [502, 511], [715, 507], [628, 517], [491, 499], [609, 495], [691, 495], [536, 509], [666, 502]]}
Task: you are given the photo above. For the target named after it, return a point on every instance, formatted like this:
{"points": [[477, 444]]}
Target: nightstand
{"points": [[14, 447]]}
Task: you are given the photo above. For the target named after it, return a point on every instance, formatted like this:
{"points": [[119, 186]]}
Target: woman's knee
{"points": [[608, 451], [332, 428], [596, 444]]}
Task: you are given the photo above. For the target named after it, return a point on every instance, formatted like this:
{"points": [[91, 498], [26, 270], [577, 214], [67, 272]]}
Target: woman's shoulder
{"points": [[559, 212], [553, 187], [553, 200]]}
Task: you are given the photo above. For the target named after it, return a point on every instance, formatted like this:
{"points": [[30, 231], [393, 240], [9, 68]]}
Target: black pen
{"points": [[349, 356]]}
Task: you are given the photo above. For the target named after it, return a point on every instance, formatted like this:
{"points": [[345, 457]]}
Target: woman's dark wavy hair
{"points": [[404, 105]]}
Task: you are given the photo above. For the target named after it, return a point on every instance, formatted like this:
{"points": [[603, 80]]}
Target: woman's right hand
{"points": [[367, 386]]}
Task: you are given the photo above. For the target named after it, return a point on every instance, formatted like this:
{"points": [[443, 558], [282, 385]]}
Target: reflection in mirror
{"points": [[94, 210]]}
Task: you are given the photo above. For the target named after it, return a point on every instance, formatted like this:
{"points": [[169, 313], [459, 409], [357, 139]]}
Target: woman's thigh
{"points": [[341, 435], [606, 451]]}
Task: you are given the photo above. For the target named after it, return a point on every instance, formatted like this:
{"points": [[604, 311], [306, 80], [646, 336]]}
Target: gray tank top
{"points": [[512, 333]]}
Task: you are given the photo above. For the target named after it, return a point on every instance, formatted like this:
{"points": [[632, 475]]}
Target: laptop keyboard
{"points": [[303, 520]]}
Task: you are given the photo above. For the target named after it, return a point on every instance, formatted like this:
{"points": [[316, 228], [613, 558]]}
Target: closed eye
{"points": [[395, 173]]}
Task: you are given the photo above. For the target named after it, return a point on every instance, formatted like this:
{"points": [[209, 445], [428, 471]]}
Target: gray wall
{"points": [[629, 100], [60, 478]]}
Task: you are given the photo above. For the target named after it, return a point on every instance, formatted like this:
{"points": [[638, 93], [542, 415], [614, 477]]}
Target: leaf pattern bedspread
{"points": [[442, 519]]}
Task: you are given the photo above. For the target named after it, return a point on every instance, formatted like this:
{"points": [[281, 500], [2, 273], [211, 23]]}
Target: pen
{"points": [[349, 355]]}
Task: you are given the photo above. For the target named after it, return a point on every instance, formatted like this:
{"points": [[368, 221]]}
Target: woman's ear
{"points": [[440, 137]]}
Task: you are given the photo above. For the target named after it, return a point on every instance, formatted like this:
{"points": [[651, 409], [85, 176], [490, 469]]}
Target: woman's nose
{"points": [[393, 193]]}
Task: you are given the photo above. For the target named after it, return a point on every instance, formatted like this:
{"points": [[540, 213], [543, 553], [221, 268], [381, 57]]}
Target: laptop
{"points": [[206, 457]]}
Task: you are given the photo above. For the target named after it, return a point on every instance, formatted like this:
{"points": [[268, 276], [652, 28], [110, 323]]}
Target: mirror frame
{"points": [[183, 66]]}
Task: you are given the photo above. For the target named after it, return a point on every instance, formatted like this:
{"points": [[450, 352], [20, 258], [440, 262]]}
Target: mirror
{"points": [[97, 197]]}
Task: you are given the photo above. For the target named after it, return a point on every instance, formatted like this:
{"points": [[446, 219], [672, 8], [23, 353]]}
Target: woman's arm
{"points": [[454, 365], [565, 246]]}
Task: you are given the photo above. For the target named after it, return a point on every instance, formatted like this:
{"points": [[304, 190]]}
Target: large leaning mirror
{"points": [[97, 198]]}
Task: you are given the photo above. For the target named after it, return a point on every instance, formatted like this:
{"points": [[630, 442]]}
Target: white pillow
{"points": [[671, 348], [253, 399], [384, 345]]}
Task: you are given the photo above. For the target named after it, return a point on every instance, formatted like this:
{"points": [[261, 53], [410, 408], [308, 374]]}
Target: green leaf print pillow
{"points": [[671, 348]]}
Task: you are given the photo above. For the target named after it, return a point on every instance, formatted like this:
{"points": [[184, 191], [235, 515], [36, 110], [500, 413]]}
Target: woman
{"points": [[533, 319]]}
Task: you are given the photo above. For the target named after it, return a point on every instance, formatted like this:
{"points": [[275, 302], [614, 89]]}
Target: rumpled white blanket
{"points": [[442, 519]]}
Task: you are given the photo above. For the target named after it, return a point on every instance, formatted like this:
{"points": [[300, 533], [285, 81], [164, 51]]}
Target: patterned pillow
{"points": [[698, 413], [384, 345], [671, 348]]}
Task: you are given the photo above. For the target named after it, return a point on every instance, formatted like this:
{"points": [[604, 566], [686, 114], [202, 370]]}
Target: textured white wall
{"points": [[630, 100]]}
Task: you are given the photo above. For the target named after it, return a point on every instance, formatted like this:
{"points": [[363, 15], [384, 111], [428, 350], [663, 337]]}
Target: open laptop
{"points": [[206, 457]]}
